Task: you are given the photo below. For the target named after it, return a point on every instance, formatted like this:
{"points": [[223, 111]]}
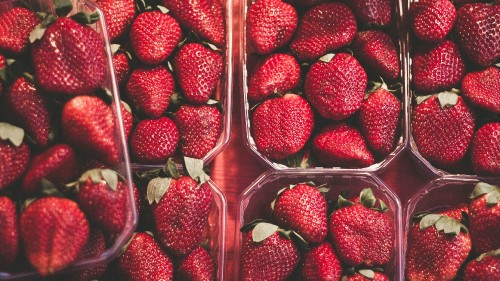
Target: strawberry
{"points": [[437, 67], [153, 141], [204, 17], [88, 124], [198, 71], [15, 28], [267, 253], [54, 231], [320, 263], [437, 246], [376, 51], [96, 245], [477, 30], [356, 229], [341, 145], [9, 233], [485, 268], [443, 126], [270, 25], [372, 12], [432, 20], [150, 89], [153, 36], [323, 28], [281, 126], [485, 150], [30, 110], [199, 129], [57, 164], [128, 118], [335, 86], [119, 15], [14, 154], [367, 275], [144, 260], [278, 73], [302, 208], [197, 266], [482, 88], [484, 218], [121, 66]]}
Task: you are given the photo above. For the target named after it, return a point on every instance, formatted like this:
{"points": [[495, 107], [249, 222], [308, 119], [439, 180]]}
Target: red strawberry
{"points": [[278, 73], [323, 28], [197, 266], [15, 28], [482, 88], [69, 58], [204, 17], [198, 71], [281, 126], [478, 32], [484, 218], [307, 3], [9, 233], [341, 145], [54, 231], [150, 89], [367, 275], [119, 15], [442, 128], [199, 129], [360, 234], [270, 25], [459, 3], [95, 246], [14, 154], [437, 67], [320, 263], [128, 118], [57, 164], [153, 36], [376, 51], [89, 126], [144, 260], [372, 12], [302, 208], [267, 254], [485, 150], [432, 20], [335, 87], [485, 268], [122, 68], [153, 141]]}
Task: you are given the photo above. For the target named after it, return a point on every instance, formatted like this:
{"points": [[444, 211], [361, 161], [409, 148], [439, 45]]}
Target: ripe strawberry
{"points": [[485, 268], [267, 254], [367, 275], [29, 108], [437, 246], [150, 89], [122, 68], [128, 118], [443, 126], [477, 30], [484, 218], [119, 15], [341, 145], [197, 266], [204, 17], [14, 154], [96, 245], [432, 20], [376, 51], [153, 36], [437, 67], [270, 25], [482, 88], [356, 230], [15, 28], [54, 231], [323, 28], [306, 3], [89, 126], [335, 87], [9, 233], [278, 73], [320, 263], [281, 126], [69, 58], [302, 208], [198, 71], [199, 129], [485, 150], [379, 119], [154, 141], [144, 260], [372, 12]]}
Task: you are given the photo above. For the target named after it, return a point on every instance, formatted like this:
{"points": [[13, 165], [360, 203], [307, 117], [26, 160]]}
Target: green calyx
{"points": [[85, 18], [448, 98], [494, 253], [263, 230], [11, 133], [297, 160], [367, 199], [195, 169], [157, 188], [109, 176], [327, 58], [170, 170], [443, 223], [50, 189], [492, 193]]}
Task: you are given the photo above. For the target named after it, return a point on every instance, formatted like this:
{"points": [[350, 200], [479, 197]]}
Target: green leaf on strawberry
{"points": [[157, 187], [195, 170], [262, 231], [11, 133], [492, 191]]}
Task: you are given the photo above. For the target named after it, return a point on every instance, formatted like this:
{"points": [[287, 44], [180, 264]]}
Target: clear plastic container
{"points": [[254, 201], [247, 60]]}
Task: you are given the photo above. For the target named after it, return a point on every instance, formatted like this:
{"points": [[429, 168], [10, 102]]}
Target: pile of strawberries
{"points": [[455, 121], [309, 66]]}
